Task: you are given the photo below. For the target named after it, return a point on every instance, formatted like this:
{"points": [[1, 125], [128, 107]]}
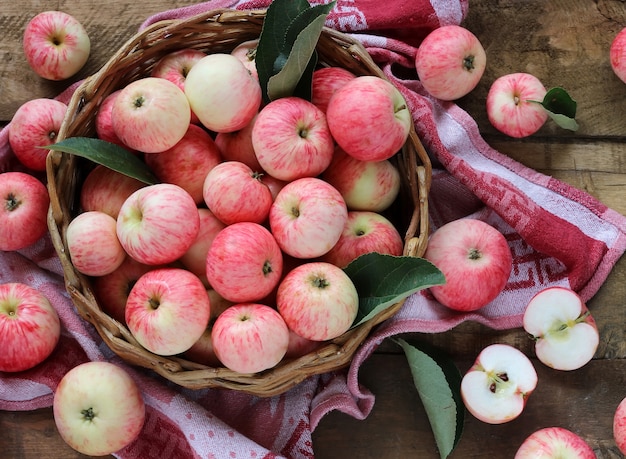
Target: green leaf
{"points": [[438, 383], [561, 108], [107, 154], [383, 280]]}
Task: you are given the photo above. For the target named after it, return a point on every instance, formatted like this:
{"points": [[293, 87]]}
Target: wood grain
{"points": [[564, 43]]}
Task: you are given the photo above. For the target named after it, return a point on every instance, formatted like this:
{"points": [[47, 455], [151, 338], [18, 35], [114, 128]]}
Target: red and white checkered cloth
{"points": [[559, 236]]}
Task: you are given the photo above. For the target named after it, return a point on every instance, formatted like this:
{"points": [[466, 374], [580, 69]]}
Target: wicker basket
{"points": [[215, 31]]}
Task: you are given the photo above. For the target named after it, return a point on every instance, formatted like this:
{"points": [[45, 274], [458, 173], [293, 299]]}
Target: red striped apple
{"points": [[617, 54], [237, 146], [246, 53], [619, 426], [106, 190], [326, 81], [554, 442]]}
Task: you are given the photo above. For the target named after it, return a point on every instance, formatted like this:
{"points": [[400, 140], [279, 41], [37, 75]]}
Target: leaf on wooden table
{"points": [[561, 108], [438, 383]]}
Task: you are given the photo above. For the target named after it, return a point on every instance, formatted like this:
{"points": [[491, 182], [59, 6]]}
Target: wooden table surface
{"points": [[564, 43]]}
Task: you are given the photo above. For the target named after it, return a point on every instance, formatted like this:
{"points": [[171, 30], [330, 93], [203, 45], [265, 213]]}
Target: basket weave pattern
{"points": [[211, 32]]}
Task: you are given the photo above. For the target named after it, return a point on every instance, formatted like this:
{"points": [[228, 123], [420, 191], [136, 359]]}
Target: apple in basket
{"points": [[56, 45], [497, 386], [291, 139], [365, 232], [554, 442], [35, 124], [24, 210], [470, 253], [450, 62], [104, 121], [317, 300], [246, 53], [237, 146], [29, 327], [167, 310], [566, 336], [194, 259], [364, 185], [307, 217], [514, 104], [222, 93], [619, 426], [98, 408], [361, 103], [326, 81]]}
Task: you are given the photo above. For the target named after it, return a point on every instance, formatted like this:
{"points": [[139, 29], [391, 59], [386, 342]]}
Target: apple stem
{"points": [[154, 303]]}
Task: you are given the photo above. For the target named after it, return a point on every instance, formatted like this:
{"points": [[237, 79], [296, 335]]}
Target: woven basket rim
{"points": [[219, 25]]}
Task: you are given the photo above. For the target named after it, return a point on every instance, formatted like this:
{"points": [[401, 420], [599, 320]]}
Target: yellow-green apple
{"points": [[175, 67], [554, 442], [237, 146], [98, 408], [307, 217], [317, 300], [246, 53], [619, 426], [497, 386], [244, 262], [236, 193], [566, 335], [450, 62], [111, 290], [291, 139], [56, 45], [29, 327], [222, 93], [93, 245], [24, 211], [150, 115], [514, 104], [469, 253], [167, 310], [250, 337], [194, 259], [617, 54], [105, 190], [325, 82], [202, 350], [360, 104], [188, 162], [35, 124], [158, 223], [364, 185], [363, 233]]}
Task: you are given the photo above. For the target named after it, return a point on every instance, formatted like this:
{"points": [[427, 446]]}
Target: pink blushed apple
{"points": [[150, 115], [188, 162], [167, 310], [35, 124], [175, 67], [300, 346], [105, 190], [236, 193], [246, 53], [158, 223], [104, 123], [326, 81], [514, 104], [237, 146], [222, 93], [365, 232], [308, 217], [554, 442], [469, 253], [318, 301], [365, 185], [496, 388], [291, 139], [24, 202], [98, 408], [619, 426], [29, 327], [450, 62], [617, 55], [93, 245], [249, 338], [56, 45], [369, 118], [244, 262], [194, 259]]}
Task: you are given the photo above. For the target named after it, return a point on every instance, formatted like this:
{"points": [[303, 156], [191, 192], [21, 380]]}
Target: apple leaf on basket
{"points": [[438, 383], [383, 280], [286, 55], [107, 154]]}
